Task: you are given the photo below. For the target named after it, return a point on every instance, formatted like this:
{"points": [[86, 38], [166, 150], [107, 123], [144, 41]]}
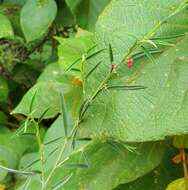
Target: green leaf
{"points": [[101, 158], [36, 18], [54, 82], [6, 28], [42, 100], [11, 149], [61, 183], [27, 161], [179, 184], [92, 9], [64, 112], [3, 118], [108, 167], [25, 74], [29, 184], [121, 165], [54, 140], [7, 158], [72, 49], [52, 72], [148, 54], [18, 171], [144, 115], [3, 90], [93, 69], [15, 143], [19, 2], [11, 8], [160, 177], [64, 15]]}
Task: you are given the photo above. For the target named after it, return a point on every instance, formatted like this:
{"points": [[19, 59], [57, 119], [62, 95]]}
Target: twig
{"points": [[182, 152]]}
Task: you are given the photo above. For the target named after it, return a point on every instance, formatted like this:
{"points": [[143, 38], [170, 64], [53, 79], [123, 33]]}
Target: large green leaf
{"points": [[160, 177], [120, 24], [92, 9], [143, 115], [110, 166], [36, 18], [3, 89], [45, 95], [6, 28], [109, 163]]}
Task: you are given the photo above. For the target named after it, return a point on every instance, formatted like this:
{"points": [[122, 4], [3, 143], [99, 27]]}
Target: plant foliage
{"points": [[93, 94]]}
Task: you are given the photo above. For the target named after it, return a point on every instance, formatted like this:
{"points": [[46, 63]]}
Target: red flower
{"points": [[130, 62]]}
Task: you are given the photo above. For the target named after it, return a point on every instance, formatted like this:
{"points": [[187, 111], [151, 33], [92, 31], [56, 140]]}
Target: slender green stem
{"points": [[83, 61], [90, 100], [58, 162], [41, 151], [183, 154]]}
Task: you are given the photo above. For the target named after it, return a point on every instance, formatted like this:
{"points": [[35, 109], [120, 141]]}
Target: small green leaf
{"points": [[151, 42], [43, 115], [76, 165], [64, 112], [54, 140], [62, 182], [32, 102], [5, 28], [3, 90], [148, 54], [51, 153], [142, 54], [36, 18], [31, 164], [74, 64], [111, 54], [19, 171], [93, 69], [169, 37], [164, 43], [94, 54], [123, 87]]}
